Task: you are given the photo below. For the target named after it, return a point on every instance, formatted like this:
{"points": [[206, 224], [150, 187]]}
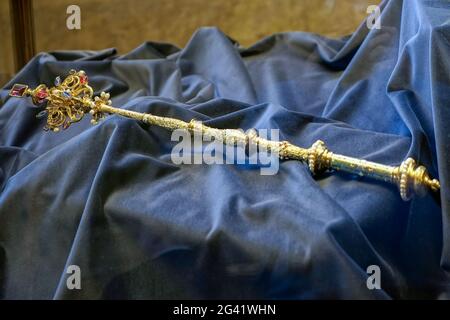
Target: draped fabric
{"points": [[108, 199]]}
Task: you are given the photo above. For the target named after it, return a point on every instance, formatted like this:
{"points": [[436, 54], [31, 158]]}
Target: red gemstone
{"points": [[41, 95], [83, 79], [18, 90]]}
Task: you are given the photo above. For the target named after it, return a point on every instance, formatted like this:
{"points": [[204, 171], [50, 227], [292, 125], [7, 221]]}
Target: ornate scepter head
{"points": [[66, 102]]}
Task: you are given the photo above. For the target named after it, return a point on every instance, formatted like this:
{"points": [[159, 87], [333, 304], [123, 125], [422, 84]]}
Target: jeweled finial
{"points": [[66, 102]]}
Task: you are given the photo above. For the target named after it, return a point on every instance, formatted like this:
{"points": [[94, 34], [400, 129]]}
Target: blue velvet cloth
{"points": [[108, 198]]}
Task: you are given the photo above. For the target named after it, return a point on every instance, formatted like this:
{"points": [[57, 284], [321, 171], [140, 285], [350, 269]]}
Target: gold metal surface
{"points": [[69, 100]]}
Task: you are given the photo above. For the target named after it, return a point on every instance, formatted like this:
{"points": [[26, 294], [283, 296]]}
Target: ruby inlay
{"points": [[18, 90]]}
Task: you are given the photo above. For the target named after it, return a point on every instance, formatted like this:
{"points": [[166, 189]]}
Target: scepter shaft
{"points": [[409, 177]]}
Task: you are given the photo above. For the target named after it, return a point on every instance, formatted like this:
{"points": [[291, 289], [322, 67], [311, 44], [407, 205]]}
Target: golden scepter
{"points": [[69, 100]]}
